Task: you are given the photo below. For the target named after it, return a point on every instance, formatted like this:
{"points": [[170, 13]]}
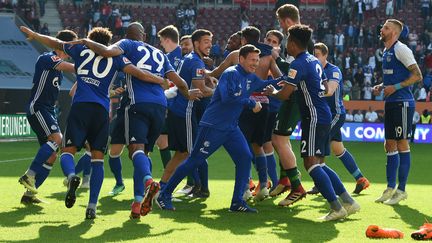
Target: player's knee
{"points": [[390, 146], [96, 154], [55, 138], [337, 148], [403, 145], [71, 150], [116, 151]]}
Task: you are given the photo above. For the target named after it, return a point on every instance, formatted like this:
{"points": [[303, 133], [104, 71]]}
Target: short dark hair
{"points": [[251, 34], [300, 34], [185, 37], [276, 33], [246, 49], [100, 35], [170, 32], [66, 35], [197, 34], [322, 47], [288, 11]]}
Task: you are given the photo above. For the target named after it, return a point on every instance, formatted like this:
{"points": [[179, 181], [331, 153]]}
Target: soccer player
{"points": [[400, 73], [186, 44], [182, 122], [88, 118], [233, 43], [334, 98], [40, 114], [219, 127], [306, 75], [286, 121], [145, 114], [273, 38]]}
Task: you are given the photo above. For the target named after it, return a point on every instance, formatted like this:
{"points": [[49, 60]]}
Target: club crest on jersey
{"points": [[388, 58], [55, 58], [126, 60], [199, 72], [292, 73]]}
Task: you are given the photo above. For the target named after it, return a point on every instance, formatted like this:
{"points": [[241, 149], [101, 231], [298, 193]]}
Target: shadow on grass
{"points": [[411, 216], [284, 224], [13, 218], [109, 205]]}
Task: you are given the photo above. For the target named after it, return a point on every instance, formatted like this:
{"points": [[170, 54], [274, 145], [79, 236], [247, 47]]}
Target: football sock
{"points": [[43, 154], [83, 162], [392, 168], [42, 174], [350, 164], [323, 183], [116, 168], [404, 168], [67, 164], [261, 167], [271, 169], [294, 177], [165, 156], [96, 179]]}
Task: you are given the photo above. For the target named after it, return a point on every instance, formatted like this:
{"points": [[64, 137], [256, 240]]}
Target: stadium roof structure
{"points": [[18, 57]]}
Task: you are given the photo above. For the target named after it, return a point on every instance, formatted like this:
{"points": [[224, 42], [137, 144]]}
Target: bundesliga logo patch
{"points": [[55, 58], [292, 73], [199, 72], [336, 75]]}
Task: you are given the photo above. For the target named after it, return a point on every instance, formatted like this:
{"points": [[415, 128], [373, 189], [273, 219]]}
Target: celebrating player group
{"points": [[249, 104]]}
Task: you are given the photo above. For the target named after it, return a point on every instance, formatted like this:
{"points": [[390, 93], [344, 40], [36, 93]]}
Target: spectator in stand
{"points": [[425, 117], [368, 75], [359, 9], [190, 13], [126, 18], [118, 24], [367, 92], [359, 77], [361, 35], [152, 32], [389, 8], [350, 33], [347, 87], [421, 93], [244, 21], [45, 30], [349, 116], [186, 30], [42, 7], [356, 91], [180, 15], [371, 61], [339, 41], [425, 5], [371, 115], [413, 38], [416, 119], [378, 58], [358, 117]]}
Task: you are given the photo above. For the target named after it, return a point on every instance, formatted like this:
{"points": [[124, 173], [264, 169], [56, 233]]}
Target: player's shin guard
{"points": [[116, 168], [43, 154], [335, 180], [392, 168], [96, 179], [203, 174], [322, 182], [67, 164], [350, 164], [83, 163], [42, 174], [404, 168], [271, 169], [261, 167]]}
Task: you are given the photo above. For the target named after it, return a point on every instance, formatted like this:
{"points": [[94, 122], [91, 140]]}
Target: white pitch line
{"points": [[13, 160]]}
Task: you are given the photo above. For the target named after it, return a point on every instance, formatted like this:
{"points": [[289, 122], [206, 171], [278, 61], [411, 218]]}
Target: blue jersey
{"points": [[230, 97], [335, 101], [145, 57], [46, 82], [94, 74], [396, 61], [175, 57], [306, 73], [192, 67]]}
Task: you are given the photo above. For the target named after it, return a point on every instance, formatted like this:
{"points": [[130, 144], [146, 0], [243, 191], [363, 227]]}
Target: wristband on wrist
{"points": [[398, 86]]}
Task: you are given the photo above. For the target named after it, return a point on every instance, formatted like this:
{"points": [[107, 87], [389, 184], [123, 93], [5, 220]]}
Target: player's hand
{"points": [[257, 107], [195, 94], [276, 52], [376, 90], [388, 90], [77, 42], [208, 61], [119, 91], [210, 82], [166, 84], [269, 90], [30, 33]]}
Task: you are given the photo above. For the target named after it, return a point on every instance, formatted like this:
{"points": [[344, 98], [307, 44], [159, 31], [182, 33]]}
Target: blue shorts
{"points": [[144, 122], [87, 121], [181, 132], [253, 124], [118, 128], [43, 123], [336, 125], [270, 126], [315, 139], [398, 118]]}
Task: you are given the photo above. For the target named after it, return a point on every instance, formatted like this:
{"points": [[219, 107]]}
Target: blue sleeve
{"points": [[49, 61], [167, 65], [121, 62], [260, 84], [72, 50], [294, 73], [125, 45], [197, 69], [231, 92]]}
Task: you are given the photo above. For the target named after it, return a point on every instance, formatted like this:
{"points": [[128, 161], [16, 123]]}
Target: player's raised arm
{"points": [[230, 60], [102, 50], [66, 67], [143, 75], [43, 39]]}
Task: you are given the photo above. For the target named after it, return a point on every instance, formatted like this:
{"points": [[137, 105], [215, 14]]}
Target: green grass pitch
{"points": [[209, 220]]}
